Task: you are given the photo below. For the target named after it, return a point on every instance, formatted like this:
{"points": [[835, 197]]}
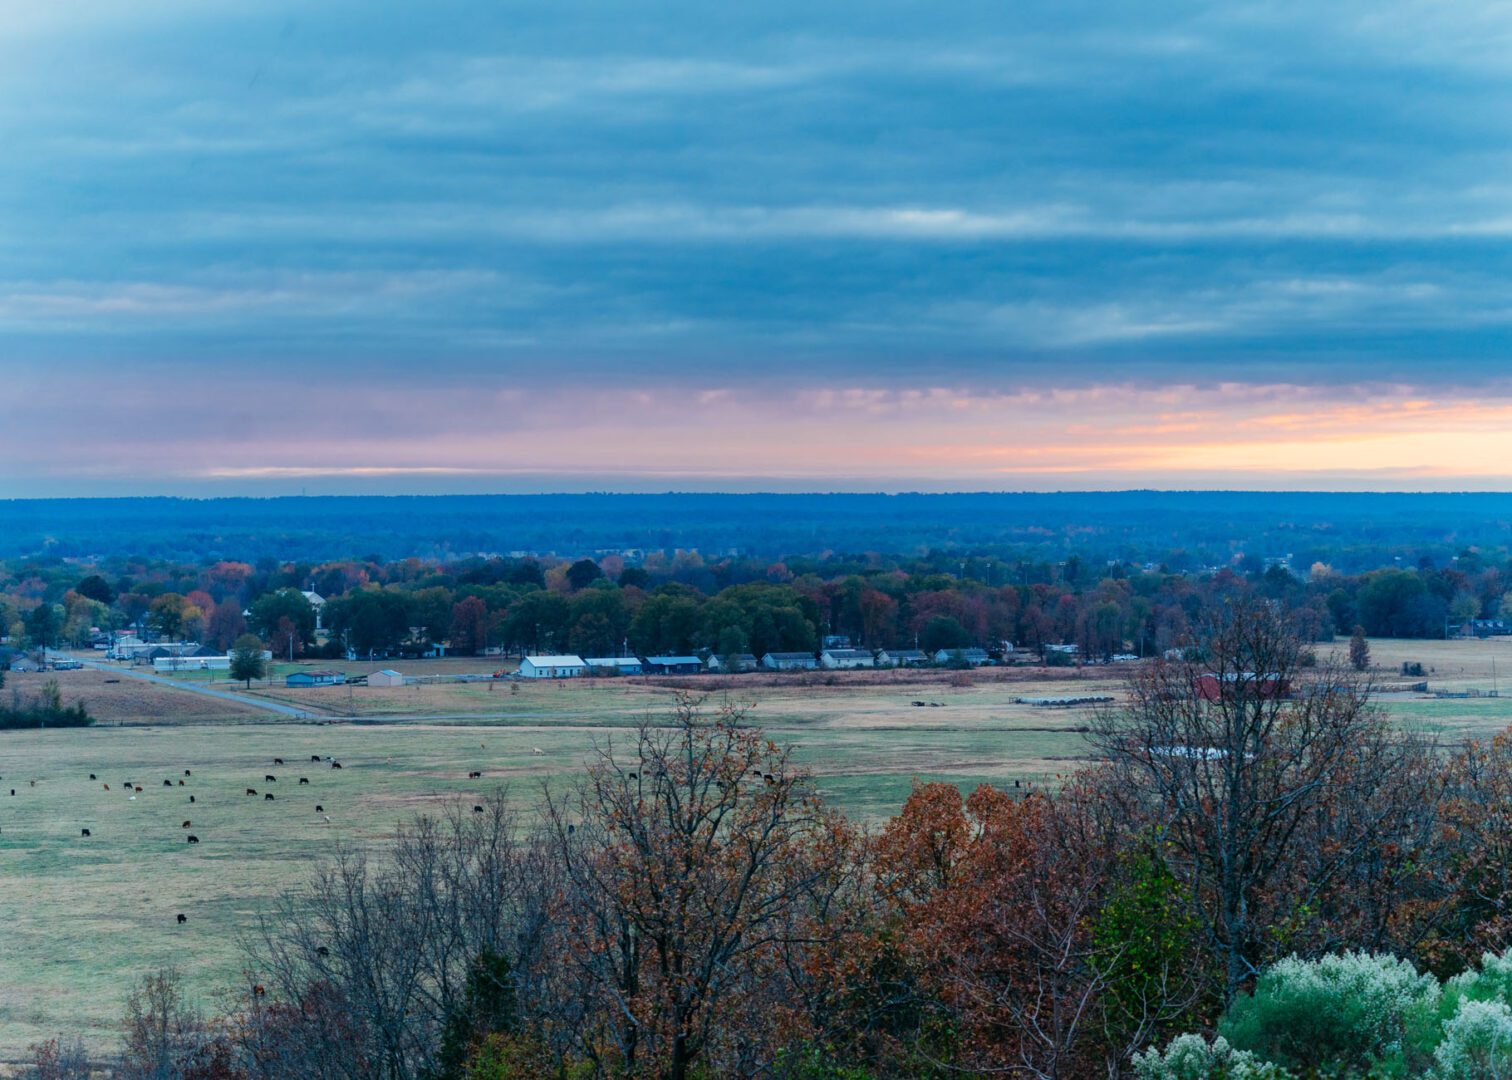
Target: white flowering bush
{"points": [[1344, 1014], [1191, 1057], [1476, 1044]]}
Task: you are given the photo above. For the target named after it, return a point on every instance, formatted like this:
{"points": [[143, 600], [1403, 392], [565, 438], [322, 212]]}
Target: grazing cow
{"points": [[137, 790], [327, 818], [251, 791], [83, 832], [92, 776], [270, 778], [188, 773], [181, 783], [167, 783], [191, 798], [475, 776], [278, 761], [268, 797], [477, 809], [105, 786], [187, 824], [304, 779], [314, 757], [319, 809], [335, 764], [182, 918], [193, 839], [536, 750]]}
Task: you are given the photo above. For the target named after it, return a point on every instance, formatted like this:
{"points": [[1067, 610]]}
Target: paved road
{"points": [[195, 688]]}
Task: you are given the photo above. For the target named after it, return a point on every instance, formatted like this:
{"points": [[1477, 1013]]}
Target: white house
{"points": [[846, 658], [902, 658], [974, 657], [789, 661], [552, 667], [736, 662], [386, 677]]}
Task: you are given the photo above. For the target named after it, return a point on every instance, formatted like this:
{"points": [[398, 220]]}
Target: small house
{"points": [[671, 665], [902, 658], [973, 657], [386, 677], [734, 663], [318, 677], [789, 661], [552, 667], [847, 658]]}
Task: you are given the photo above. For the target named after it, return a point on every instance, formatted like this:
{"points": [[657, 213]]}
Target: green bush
{"points": [[1477, 1043], [1347, 1014], [1191, 1057]]}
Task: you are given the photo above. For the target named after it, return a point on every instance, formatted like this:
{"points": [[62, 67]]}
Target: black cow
{"points": [[477, 809], [193, 839], [187, 824], [182, 919], [278, 761], [251, 791], [270, 778], [304, 779], [83, 832], [167, 783], [268, 797], [314, 757], [92, 776], [188, 773], [335, 764], [475, 776], [319, 809], [191, 798]]}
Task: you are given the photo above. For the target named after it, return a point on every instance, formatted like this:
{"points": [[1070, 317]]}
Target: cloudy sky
{"points": [[247, 247]]}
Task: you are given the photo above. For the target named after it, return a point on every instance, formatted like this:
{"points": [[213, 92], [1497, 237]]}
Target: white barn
{"points": [[386, 677], [552, 667]]}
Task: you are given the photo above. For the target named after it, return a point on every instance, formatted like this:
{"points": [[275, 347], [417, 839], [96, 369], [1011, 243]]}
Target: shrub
{"points": [[1477, 1043], [1191, 1057], [1346, 1013]]}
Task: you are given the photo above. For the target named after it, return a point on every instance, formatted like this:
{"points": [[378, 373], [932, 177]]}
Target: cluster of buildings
{"points": [[570, 666]]}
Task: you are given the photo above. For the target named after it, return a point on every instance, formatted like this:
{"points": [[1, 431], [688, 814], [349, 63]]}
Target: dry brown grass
{"points": [[116, 699]]}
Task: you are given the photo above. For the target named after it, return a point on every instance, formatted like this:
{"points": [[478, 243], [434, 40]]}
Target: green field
{"points": [[85, 918]]}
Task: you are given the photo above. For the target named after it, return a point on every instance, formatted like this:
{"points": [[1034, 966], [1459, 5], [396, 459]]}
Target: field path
{"points": [[224, 695]]}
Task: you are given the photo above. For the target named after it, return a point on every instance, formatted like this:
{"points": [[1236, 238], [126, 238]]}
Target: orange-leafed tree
{"points": [[993, 899]]}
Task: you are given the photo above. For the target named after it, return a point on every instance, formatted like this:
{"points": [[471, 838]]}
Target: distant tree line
{"points": [[686, 602]]}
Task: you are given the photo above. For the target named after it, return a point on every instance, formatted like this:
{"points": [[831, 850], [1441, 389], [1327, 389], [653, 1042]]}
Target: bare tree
{"points": [[368, 963], [1238, 759], [689, 867]]}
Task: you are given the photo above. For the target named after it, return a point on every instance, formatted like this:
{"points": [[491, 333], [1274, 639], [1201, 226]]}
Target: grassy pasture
{"points": [[83, 918]]}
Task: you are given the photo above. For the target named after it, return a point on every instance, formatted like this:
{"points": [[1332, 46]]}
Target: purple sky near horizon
{"points": [[253, 248]]}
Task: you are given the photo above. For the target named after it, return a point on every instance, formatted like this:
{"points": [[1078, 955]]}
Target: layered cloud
{"points": [[879, 243]]}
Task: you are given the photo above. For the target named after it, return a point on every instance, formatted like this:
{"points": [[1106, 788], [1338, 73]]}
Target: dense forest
{"points": [[1263, 883], [1352, 532], [685, 601]]}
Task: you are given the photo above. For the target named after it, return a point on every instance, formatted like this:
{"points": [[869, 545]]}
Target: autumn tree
{"points": [[469, 626], [1250, 765]]}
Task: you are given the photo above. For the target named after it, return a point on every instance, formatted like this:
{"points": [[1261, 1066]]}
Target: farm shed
{"points": [[552, 667]]}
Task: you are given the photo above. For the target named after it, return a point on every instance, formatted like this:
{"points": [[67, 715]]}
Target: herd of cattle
{"points": [[134, 789]]}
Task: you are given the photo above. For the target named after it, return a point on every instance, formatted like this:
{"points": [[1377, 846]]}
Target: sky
{"points": [[257, 248]]}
